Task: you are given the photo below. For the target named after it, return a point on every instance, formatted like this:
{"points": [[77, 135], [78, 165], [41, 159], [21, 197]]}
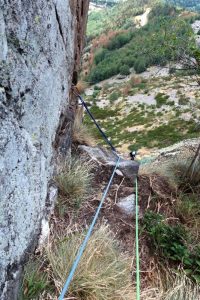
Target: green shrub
{"points": [[120, 40], [183, 100], [169, 243], [161, 99], [170, 103], [140, 66], [188, 210], [167, 240], [100, 55], [95, 93], [100, 113], [97, 88], [124, 70], [153, 44], [114, 95]]}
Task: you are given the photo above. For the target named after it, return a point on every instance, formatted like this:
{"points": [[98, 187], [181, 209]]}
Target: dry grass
{"points": [[170, 286], [135, 80], [182, 289], [74, 182], [81, 133], [103, 272], [187, 179], [82, 86], [126, 90]]}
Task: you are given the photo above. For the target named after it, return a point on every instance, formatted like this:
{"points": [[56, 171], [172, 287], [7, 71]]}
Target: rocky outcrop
{"points": [[126, 168], [40, 46], [162, 158]]}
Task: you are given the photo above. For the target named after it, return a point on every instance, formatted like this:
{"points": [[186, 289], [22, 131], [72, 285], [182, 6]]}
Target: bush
{"points": [[167, 240], [74, 182], [124, 70], [114, 95], [188, 210], [119, 40], [161, 99], [103, 272], [140, 66], [100, 55], [146, 46], [97, 88], [183, 100]]}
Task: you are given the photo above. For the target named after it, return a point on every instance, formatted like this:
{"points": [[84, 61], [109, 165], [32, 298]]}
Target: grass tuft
{"points": [[82, 86], [74, 182], [182, 288], [35, 281], [81, 134], [103, 272]]}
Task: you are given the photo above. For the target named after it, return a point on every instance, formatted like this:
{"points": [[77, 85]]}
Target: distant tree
{"points": [[124, 70]]}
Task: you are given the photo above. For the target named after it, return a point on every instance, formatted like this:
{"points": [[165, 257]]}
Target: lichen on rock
{"points": [[38, 55]]}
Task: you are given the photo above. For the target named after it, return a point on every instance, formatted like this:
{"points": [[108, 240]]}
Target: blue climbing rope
{"points": [[87, 237], [95, 122], [91, 227]]}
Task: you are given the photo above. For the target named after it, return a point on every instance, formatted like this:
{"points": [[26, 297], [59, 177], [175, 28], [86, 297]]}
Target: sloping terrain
{"points": [[145, 89]]}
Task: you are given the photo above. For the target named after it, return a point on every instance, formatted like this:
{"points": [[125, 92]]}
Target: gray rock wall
{"points": [[40, 45]]}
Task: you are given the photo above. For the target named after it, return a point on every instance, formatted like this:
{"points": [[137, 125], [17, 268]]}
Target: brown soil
{"points": [[155, 193]]}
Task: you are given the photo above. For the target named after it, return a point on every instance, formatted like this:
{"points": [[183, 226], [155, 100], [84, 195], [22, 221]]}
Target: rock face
{"points": [[40, 46]]}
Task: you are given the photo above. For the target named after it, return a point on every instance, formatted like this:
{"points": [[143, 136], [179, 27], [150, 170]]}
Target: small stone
{"points": [[118, 172], [127, 205]]}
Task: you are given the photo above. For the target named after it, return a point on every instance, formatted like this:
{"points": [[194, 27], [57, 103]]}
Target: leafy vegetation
{"points": [[119, 17], [159, 45], [161, 99], [170, 242], [189, 4]]}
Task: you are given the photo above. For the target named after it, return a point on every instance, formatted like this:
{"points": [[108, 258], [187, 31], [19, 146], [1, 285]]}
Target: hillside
{"points": [[143, 86], [189, 4]]}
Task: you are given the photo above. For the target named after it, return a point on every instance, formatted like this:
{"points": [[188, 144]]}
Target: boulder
{"points": [[128, 168]]}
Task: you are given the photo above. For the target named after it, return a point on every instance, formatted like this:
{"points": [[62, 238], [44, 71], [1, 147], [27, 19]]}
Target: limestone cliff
{"points": [[40, 47]]}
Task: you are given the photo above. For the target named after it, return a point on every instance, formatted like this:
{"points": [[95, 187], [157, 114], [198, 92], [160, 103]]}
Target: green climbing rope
{"points": [[137, 242]]}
